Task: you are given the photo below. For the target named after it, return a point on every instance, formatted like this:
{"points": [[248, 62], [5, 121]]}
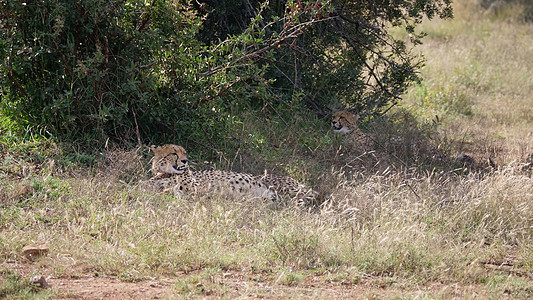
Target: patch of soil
{"points": [[88, 287], [235, 284], [85, 285], [82, 283]]}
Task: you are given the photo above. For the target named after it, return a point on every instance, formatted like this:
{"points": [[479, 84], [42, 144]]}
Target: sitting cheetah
{"points": [[170, 175], [344, 122]]}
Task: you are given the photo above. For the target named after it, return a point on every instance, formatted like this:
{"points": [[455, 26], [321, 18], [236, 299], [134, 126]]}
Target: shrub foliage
{"points": [[161, 70]]}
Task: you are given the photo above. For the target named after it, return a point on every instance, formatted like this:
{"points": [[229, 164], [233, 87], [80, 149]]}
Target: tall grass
{"points": [[478, 79], [436, 227]]}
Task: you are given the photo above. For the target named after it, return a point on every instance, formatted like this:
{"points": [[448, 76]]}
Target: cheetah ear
{"points": [[352, 118], [154, 148]]}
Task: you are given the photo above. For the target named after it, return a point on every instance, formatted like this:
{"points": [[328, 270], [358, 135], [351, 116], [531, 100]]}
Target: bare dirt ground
{"points": [[236, 284]]}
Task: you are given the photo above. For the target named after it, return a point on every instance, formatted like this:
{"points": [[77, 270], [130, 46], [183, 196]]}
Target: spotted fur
{"points": [[344, 122], [228, 183]]}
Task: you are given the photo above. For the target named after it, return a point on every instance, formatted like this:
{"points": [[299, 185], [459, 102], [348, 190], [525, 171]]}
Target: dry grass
{"points": [[479, 80], [417, 233], [436, 228]]}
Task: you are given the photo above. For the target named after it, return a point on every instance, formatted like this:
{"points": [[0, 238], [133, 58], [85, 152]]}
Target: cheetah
{"points": [[169, 167], [288, 187], [169, 159], [344, 122]]}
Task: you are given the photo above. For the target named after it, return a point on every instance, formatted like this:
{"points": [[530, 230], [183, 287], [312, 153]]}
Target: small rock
{"points": [[35, 250], [39, 279]]}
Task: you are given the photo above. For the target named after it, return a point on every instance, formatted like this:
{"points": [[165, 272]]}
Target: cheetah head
{"points": [[344, 122], [168, 159]]}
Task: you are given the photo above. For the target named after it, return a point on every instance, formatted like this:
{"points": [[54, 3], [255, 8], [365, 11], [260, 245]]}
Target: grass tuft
{"points": [[13, 286]]}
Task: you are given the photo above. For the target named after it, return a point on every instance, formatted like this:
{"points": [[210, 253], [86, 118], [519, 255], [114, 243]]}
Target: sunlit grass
{"points": [[14, 286], [440, 227], [478, 79]]}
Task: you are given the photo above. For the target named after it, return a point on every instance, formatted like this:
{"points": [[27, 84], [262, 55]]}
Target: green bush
{"points": [[344, 55], [147, 72], [95, 70]]}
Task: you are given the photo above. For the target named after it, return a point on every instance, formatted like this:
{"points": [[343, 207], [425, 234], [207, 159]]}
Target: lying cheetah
{"points": [[344, 122], [170, 175]]}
